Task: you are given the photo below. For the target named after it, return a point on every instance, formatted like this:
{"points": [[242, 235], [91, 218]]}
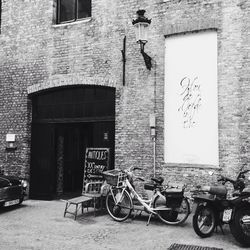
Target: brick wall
{"points": [[37, 54]]}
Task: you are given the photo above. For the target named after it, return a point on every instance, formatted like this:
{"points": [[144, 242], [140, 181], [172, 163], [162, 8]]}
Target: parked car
{"points": [[12, 190]]}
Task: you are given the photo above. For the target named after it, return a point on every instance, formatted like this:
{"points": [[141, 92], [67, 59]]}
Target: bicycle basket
{"points": [[114, 177]]}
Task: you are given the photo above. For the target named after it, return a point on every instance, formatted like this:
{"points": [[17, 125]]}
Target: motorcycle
{"points": [[215, 209], [240, 218]]}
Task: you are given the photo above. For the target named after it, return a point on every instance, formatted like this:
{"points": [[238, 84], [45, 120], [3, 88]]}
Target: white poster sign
{"points": [[191, 102]]}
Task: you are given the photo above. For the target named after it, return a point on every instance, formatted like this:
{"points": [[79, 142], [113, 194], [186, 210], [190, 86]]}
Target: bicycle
{"points": [[167, 202]]}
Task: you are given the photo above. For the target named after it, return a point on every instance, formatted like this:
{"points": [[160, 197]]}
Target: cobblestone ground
{"points": [[41, 225]]}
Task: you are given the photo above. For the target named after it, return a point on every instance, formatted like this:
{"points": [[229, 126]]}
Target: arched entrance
{"points": [[64, 122]]}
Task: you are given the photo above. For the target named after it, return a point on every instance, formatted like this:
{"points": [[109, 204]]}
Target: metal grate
{"points": [[191, 247]]}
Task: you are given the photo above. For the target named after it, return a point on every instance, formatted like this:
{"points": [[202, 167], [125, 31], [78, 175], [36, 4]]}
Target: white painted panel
{"points": [[191, 102]]}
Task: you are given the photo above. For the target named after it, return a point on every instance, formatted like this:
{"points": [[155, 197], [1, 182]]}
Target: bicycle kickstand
{"points": [[149, 218], [135, 214]]}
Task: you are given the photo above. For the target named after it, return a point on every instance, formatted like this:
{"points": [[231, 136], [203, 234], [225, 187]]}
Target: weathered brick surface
{"points": [[37, 54]]}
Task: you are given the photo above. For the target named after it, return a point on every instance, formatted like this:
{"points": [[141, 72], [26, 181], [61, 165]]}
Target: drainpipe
{"points": [[154, 153], [152, 124]]}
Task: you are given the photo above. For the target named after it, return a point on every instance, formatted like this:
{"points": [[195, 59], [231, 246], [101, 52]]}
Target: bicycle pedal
{"points": [[138, 208]]}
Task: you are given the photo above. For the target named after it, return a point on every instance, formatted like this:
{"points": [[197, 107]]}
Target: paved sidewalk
{"points": [[41, 225]]}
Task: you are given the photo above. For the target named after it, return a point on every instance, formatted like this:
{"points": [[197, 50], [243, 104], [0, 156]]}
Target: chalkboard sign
{"points": [[96, 161]]}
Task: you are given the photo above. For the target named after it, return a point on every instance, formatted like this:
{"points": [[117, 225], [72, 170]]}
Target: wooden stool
{"points": [[78, 202]]}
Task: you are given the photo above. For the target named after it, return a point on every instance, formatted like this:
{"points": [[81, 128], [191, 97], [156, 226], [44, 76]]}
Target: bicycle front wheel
{"points": [[171, 215], [119, 204]]}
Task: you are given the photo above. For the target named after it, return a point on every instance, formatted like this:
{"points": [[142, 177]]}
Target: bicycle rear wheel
{"points": [[119, 204], [171, 215]]}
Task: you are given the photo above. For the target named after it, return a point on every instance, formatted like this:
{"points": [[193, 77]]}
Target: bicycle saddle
{"points": [[158, 180]]}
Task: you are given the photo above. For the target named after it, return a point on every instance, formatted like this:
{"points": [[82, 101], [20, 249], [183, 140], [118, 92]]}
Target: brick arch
{"points": [[70, 80]]}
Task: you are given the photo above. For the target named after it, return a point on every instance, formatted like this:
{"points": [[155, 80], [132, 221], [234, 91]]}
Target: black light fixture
{"points": [[141, 24]]}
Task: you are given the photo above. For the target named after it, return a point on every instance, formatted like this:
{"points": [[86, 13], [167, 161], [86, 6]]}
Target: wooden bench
{"points": [[78, 202], [91, 194]]}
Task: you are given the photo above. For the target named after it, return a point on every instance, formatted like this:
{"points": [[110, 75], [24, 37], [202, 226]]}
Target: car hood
{"points": [[7, 180]]}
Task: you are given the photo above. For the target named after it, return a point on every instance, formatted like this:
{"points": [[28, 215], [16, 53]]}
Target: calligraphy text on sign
{"points": [[191, 100]]}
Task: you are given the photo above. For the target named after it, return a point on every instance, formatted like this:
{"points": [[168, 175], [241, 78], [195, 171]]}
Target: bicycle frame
{"points": [[147, 204], [122, 195]]}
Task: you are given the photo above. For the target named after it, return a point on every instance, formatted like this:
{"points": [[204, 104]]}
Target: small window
{"points": [[72, 10]]}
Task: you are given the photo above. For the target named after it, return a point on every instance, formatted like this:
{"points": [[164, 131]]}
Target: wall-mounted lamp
{"points": [[141, 24], [11, 141]]}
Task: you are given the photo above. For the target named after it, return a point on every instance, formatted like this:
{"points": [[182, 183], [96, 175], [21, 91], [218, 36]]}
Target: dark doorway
{"points": [[76, 139], [65, 122], [43, 159]]}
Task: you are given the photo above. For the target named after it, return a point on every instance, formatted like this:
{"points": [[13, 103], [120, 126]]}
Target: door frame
{"points": [[65, 120]]}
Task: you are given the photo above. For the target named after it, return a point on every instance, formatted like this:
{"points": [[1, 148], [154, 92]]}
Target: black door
{"points": [[64, 122], [76, 138], [43, 180]]}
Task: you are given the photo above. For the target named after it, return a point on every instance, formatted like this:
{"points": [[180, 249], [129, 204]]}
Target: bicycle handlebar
{"points": [[243, 172], [131, 175], [225, 179], [132, 168], [137, 168], [239, 183], [240, 175], [140, 179]]}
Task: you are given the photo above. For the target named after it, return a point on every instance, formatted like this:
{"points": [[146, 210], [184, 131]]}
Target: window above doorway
{"points": [[73, 10], [74, 104]]}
